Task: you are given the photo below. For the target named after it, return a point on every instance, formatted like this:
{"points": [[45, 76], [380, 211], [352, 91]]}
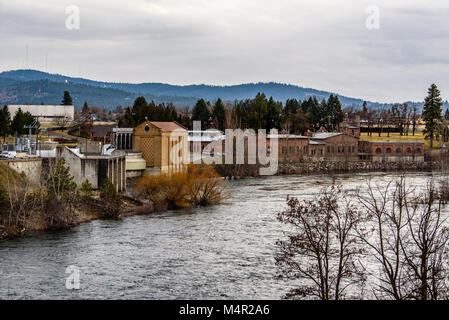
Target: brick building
{"points": [[391, 150], [334, 146]]}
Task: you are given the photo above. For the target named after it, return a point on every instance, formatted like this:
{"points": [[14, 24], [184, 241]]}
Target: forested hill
{"points": [[31, 86]]}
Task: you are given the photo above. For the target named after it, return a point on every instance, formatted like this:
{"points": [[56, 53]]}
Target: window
{"points": [[328, 149], [297, 149], [418, 151], [291, 150], [284, 149], [409, 150], [398, 150], [378, 151], [388, 150]]}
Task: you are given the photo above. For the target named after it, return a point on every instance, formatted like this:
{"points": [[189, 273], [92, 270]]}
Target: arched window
{"points": [[418, 151], [378, 151], [388, 150], [398, 150], [409, 150]]}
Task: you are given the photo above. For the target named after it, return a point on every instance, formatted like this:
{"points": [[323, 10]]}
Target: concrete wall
{"points": [[81, 169], [31, 167]]}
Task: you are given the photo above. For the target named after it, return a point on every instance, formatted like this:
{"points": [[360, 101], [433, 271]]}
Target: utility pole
{"points": [[30, 127]]}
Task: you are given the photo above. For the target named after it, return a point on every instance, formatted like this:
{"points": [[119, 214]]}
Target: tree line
{"points": [[257, 113]]}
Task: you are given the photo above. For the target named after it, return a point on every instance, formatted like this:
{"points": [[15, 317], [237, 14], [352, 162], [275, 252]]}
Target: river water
{"points": [[219, 252]]}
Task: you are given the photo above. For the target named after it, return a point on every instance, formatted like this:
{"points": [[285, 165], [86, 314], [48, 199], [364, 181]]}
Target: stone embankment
{"points": [[356, 166]]}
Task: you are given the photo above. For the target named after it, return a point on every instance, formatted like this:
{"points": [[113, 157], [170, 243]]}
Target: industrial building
{"points": [[45, 112]]}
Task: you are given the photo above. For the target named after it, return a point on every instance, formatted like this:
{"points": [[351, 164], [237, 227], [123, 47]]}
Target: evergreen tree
{"points": [[85, 109], [60, 183], [140, 110], [18, 122], [274, 115], [201, 113], [335, 112], [313, 111], [67, 99], [446, 114], [5, 122], [218, 114], [257, 118], [432, 113], [291, 106], [86, 189]]}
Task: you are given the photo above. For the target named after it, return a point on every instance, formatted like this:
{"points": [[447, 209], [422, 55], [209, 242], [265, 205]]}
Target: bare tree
{"points": [[386, 212], [321, 251], [408, 239], [425, 251], [63, 122]]}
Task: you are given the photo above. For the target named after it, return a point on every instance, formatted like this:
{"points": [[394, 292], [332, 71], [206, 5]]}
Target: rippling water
{"points": [[219, 252]]}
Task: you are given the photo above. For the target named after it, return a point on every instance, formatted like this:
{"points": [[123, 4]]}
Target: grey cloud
{"points": [[314, 43]]}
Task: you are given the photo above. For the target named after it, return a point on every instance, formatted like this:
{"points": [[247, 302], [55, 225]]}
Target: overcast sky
{"points": [[322, 44]]}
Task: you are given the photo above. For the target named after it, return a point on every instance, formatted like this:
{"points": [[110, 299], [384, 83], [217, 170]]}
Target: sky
{"points": [[384, 51]]}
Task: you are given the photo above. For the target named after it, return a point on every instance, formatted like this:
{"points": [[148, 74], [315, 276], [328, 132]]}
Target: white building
{"points": [[45, 112]]}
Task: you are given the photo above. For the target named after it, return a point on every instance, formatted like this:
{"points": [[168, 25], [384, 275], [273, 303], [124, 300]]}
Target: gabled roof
{"points": [[168, 126]]}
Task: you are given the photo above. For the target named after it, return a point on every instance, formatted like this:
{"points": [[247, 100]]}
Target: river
{"points": [[219, 252]]}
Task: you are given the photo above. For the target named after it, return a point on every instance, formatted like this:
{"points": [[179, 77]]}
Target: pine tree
{"points": [[201, 113], [274, 114], [5, 122], [335, 112], [257, 118], [85, 109], [140, 110], [60, 182], [432, 113], [18, 122], [218, 114], [86, 189], [67, 99]]}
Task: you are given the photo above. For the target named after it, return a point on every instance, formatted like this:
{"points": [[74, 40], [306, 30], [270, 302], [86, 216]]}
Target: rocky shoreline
{"points": [[356, 166]]}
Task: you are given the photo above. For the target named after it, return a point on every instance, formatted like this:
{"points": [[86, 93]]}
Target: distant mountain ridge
{"points": [[32, 86]]}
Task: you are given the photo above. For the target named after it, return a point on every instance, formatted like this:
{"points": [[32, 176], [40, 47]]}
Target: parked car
{"points": [[8, 154]]}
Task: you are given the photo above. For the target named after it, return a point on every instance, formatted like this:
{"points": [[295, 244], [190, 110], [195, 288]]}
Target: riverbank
{"points": [[85, 210]]}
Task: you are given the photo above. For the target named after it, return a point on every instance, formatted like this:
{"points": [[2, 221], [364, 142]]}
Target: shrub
{"points": [[198, 185], [60, 197], [86, 189], [111, 200], [4, 199]]}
